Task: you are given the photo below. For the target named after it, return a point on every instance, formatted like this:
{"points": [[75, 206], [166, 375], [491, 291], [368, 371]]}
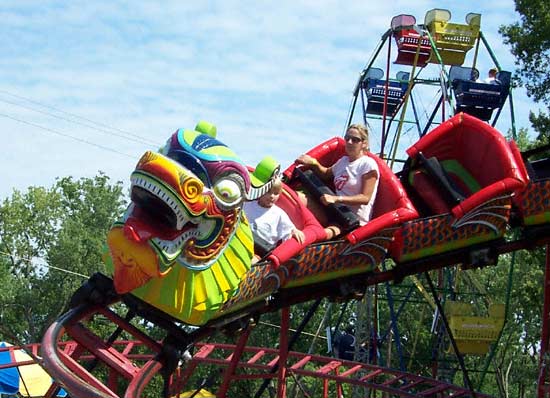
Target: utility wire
{"points": [[291, 330], [67, 135], [143, 139], [30, 261], [105, 131]]}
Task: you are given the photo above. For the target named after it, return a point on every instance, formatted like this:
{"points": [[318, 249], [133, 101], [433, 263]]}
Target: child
{"points": [[268, 221]]}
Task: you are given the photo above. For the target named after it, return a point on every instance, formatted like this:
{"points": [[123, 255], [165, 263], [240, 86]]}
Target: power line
{"points": [[102, 125], [30, 261], [291, 330], [67, 135], [110, 132]]}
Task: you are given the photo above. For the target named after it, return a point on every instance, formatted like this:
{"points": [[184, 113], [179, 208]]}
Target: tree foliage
{"points": [[529, 40], [50, 241]]}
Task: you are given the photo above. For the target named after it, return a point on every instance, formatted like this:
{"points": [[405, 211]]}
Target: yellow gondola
{"points": [[474, 334], [452, 40]]}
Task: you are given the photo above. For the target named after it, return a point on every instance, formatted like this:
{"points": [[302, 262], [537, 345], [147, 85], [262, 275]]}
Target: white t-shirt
{"points": [[348, 181], [270, 223]]}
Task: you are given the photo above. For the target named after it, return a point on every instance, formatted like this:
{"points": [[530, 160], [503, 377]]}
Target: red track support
{"points": [[257, 363], [283, 355], [67, 368], [234, 361], [543, 382]]}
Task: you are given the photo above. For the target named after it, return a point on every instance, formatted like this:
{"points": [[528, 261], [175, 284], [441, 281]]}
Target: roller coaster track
{"points": [[470, 257], [237, 362], [139, 360]]}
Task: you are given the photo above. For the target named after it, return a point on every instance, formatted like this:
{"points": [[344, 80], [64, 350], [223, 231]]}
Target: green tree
{"points": [[50, 241], [529, 40]]}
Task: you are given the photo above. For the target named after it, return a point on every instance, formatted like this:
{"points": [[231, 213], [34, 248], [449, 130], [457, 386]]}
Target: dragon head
{"points": [[185, 226]]}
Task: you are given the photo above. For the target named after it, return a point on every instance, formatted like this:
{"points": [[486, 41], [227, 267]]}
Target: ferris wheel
{"points": [[419, 76], [428, 73]]}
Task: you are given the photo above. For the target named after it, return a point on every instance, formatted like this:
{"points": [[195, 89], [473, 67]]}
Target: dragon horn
{"points": [[262, 178]]}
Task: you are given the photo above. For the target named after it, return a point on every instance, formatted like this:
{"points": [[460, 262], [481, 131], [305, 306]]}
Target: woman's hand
{"points": [[306, 160], [327, 199]]}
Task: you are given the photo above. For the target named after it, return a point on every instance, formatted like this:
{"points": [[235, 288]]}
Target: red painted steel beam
{"points": [[342, 372], [325, 368], [233, 362], [542, 390], [283, 352]]}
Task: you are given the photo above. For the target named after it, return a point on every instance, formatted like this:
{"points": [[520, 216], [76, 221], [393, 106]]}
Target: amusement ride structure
{"points": [[180, 258]]}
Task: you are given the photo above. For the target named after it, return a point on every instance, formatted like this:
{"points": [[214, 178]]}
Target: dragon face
{"points": [[184, 233]]}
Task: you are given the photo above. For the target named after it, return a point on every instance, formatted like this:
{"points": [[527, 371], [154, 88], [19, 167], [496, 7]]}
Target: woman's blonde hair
{"points": [[362, 129]]}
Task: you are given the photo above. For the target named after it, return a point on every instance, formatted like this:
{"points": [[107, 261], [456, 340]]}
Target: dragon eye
{"points": [[228, 191]]}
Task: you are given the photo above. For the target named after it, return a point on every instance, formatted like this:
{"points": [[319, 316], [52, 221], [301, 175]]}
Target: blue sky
{"points": [[88, 86]]}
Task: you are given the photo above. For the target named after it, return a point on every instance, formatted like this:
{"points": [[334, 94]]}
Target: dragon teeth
{"points": [[164, 196], [172, 248]]}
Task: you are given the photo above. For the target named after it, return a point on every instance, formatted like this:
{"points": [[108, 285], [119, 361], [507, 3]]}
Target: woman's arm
{"points": [[324, 172], [368, 182]]}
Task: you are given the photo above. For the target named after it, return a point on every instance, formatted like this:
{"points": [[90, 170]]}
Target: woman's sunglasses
{"points": [[353, 139]]}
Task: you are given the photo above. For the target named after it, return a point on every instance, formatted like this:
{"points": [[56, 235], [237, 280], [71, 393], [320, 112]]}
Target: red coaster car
{"points": [[461, 178]]}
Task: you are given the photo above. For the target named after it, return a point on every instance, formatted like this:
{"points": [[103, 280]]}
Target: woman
{"points": [[355, 177]]}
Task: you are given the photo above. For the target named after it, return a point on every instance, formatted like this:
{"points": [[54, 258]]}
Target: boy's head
{"points": [[269, 198]]}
